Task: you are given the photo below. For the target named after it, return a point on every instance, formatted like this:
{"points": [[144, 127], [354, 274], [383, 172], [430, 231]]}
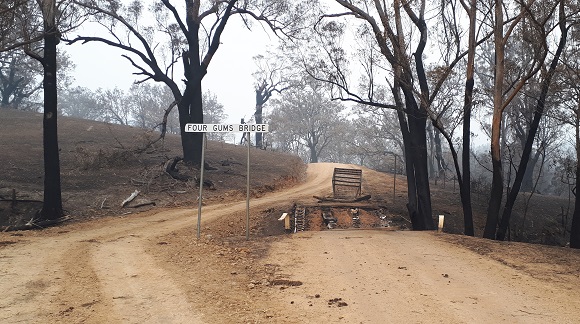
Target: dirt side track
{"points": [[116, 270]]}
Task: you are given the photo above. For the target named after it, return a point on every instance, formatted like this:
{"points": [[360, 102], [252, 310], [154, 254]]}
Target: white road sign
{"points": [[226, 128]]}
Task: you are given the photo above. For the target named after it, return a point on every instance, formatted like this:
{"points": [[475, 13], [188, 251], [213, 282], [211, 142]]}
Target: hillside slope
{"points": [[100, 168]]}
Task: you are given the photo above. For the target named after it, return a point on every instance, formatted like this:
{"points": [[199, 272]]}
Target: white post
{"points": [[200, 186], [441, 219]]}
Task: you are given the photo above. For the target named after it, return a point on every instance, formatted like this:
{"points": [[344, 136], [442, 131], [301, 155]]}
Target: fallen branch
{"points": [[163, 126], [131, 197], [103, 203], [33, 223]]}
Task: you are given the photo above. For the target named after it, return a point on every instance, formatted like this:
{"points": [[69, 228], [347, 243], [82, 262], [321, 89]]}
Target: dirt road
{"points": [[411, 277], [112, 271]]}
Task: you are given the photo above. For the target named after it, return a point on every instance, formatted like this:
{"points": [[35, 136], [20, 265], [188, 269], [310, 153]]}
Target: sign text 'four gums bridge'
{"points": [[225, 128]]}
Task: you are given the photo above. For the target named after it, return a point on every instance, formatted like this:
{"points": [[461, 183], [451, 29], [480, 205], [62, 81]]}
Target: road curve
{"points": [[104, 266]]}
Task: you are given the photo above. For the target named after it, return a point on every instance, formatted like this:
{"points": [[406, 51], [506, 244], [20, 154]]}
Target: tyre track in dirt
{"points": [[102, 272]]}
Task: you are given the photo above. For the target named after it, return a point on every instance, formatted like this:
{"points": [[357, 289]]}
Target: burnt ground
{"points": [[100, 167]]}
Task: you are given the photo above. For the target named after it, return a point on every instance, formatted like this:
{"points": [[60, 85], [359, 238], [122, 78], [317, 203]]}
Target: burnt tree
{"points": [[503, 94], [52, 206], [389, 36], [190, 41]]}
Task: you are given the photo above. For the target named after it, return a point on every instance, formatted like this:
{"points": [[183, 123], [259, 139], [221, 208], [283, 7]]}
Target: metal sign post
{"points": [[201, 185], [225, 128], [248, 189]]}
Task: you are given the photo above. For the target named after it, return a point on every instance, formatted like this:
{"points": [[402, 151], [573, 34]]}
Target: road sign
{"points": [[226, 128]]}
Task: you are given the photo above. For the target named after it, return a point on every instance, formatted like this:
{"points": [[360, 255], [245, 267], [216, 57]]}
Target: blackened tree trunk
{"points": [[189, 102], [52, 206], [417, 124], [538, 113], [418, 142], [190, 105], [392, 44], [412, 199], [522, 135], [191, 111], [496, 193], [410, 174], [465, 183], [411, 182], [502, 98], [416, 160]]}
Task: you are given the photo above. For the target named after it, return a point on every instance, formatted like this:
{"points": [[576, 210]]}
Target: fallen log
{"points": [[35, 224]]}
